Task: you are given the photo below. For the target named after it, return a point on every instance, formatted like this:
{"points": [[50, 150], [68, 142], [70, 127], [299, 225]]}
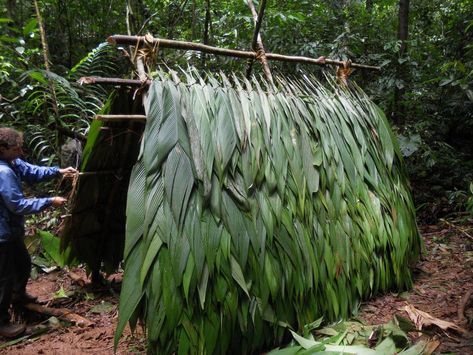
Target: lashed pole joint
{"points": [[257, 43], [167, 43]]}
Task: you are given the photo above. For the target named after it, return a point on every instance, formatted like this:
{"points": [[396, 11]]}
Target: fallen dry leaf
{"points": [[431, 346], [421, 319]]}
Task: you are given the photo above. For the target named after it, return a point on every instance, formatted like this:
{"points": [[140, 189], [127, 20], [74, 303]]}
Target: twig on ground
{"points": [[461, 308], [60, 313], [461, 230]]}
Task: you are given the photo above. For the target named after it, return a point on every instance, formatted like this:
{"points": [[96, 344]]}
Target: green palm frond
{"points": [[101, 61], [56, 100], [260, 211]]}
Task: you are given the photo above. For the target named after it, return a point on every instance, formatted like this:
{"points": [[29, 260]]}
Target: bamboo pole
{"points": [[167, 43]]}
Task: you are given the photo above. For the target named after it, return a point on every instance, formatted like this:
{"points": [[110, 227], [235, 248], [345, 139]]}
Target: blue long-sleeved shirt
{"points": [[13, 205]]}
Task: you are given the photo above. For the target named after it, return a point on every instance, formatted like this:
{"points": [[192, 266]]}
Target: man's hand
{"points": [[68, 170], [58, 201]]}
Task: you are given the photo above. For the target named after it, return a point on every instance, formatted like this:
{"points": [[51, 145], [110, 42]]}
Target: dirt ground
{"points": [[442, 279]]}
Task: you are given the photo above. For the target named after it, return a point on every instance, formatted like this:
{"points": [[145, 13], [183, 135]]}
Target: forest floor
{"points": [[443, 279]]}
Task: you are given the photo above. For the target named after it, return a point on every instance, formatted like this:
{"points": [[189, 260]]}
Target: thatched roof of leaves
{"points": [[250, 211]]}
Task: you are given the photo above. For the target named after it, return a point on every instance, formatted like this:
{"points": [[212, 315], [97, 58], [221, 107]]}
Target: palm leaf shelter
{"points": [[242, 207]]}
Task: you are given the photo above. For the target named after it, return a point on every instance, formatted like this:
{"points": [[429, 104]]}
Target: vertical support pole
{"points": [[257, 43]]}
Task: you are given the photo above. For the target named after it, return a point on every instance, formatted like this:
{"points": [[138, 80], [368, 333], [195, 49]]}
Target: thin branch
{"points": [[44, 44], [42, 33], [258, 18], [140, 68], [166, 43], [70, 133], [88, 80], [208, 21], [116, 118], [127, 17], [461, 230], [62, 313]]}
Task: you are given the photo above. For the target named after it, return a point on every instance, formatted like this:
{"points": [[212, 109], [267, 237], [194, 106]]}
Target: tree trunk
{"points": [[11, 9], [67, 40], [369, 6], [208, 20], [194, 19], [403, 28], [398, 107], [42, 33]]}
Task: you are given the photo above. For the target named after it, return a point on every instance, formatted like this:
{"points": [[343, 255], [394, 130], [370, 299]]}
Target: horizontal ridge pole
{"points": [[111, 81], [317, 61], [120, 118], [167, 43]]}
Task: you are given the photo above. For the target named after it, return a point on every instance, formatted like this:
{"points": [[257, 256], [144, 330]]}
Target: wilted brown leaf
{"points": [[423, 319]]}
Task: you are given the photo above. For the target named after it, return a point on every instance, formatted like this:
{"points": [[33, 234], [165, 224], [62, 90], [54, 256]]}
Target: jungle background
{"points": [[425, 86], [424, 48]]}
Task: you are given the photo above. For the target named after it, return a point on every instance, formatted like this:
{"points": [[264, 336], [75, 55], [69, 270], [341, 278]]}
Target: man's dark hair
{"points": [[9, 137]]}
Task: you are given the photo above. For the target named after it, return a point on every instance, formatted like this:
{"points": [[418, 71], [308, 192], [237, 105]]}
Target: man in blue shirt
{"points": [[15, 262]]}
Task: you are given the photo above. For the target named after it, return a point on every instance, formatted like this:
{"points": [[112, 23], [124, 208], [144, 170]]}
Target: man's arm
{"points": [[14, 200], [34, 173]]}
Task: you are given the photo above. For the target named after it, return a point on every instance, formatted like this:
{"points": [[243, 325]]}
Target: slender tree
{"points": [[398, 107], [403, 27], [207, 25]]}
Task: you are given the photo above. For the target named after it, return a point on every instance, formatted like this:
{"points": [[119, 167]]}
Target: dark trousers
{"points": [[15, 268]]}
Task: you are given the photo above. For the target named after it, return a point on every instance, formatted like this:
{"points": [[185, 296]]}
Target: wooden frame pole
{"points": [[167, 43]]}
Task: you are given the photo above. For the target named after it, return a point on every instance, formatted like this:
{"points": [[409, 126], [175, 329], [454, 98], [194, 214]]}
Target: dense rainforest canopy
{"points": [[424, 48]]}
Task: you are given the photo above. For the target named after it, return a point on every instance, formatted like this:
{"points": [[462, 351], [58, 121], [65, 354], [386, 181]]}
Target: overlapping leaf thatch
{"points": [[94, 229], [251, 212]]}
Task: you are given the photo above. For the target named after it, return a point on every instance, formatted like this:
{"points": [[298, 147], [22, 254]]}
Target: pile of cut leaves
{"points": [[352, 337]]}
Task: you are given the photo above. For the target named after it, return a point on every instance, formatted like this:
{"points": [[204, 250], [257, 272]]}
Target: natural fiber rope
{"points": [[75, 179], [148, 51], [260, 54], [344, 72]]}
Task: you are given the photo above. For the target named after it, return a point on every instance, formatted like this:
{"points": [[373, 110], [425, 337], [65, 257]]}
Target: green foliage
{"points": [[47, 104], [61, 101], [356, 338], [51, 250], [436, 69], [250, 211]]}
